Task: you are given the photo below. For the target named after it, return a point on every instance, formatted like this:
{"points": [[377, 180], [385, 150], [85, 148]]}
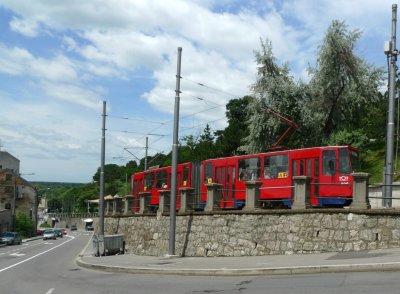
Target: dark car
{"points": [[10, 238], [73, 227], [89, 228], [59, 233]]}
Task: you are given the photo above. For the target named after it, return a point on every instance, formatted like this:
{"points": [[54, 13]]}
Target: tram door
{"points": [[313, 172], [226, 176], [230, 184], [308, 167], [221, 179]]}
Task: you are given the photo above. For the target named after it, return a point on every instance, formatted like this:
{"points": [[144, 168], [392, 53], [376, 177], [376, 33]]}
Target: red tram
{"points": [[159, 178], [328, 167]]}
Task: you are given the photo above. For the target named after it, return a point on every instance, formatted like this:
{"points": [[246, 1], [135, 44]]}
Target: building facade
{"points": [[16, 194]]}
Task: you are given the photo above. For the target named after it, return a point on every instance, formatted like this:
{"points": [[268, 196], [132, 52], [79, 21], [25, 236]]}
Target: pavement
{"points": [[354, 261]]}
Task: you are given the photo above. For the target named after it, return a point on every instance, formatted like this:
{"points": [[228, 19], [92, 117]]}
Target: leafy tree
{"points": [[187, 150], [343, 85], [111, 172], [205, 147], [230, 139], [24, 225], [274, 89]]}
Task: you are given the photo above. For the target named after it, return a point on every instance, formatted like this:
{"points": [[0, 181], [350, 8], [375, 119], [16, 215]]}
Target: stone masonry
{"points": [[262, 233]]}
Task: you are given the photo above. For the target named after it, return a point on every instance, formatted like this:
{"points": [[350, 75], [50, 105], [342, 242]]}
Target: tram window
{"points": [[344, 162], [185, 176], [355, 161], [276, 166], [301, 167], [208, 172], [149, 181], [309, 173], [316, 167], [162, 178], [220, 175], [328, 162], [249, 169]]}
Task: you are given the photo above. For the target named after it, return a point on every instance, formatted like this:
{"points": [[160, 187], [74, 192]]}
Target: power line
{"points": [[138, 119], [212, 88]]}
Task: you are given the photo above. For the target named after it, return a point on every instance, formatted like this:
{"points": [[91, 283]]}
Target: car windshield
{"points": [[7, 235], [49, 232]]}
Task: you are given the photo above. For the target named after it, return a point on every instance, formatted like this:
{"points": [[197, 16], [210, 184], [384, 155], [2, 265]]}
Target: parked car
{"points": [[73, 227], [49, 234], [11, 238], [64, 231]]}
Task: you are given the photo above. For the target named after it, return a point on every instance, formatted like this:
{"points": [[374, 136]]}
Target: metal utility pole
{"points": [[101, 199], [172, 213], [391, 51], [145, 154]]}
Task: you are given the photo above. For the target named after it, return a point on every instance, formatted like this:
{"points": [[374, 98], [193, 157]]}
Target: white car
{"points": [[49, 234]]}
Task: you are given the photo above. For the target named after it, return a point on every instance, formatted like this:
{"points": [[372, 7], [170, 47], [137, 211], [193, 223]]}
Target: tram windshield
{"points": [[355, 161]]}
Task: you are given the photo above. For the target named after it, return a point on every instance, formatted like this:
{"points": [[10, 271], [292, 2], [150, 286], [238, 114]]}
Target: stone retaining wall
{"points": [[266, 232]]}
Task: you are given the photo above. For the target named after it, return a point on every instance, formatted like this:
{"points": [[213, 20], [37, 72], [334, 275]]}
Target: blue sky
{"points": [[60, 59]]}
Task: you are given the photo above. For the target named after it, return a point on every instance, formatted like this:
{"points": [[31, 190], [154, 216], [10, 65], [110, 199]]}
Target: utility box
{"points": [[114, 244]]}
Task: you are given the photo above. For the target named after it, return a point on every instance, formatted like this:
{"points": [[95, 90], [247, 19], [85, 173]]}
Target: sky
{"points": [[59, 60]]}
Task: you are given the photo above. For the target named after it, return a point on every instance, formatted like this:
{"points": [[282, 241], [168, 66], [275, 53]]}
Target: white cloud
{"points": [[25, 27]]}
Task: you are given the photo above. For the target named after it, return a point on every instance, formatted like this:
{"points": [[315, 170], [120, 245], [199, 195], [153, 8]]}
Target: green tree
{"points": [[111, 172], [24, 225], [274, 89], [230, 139], [343, 86]]}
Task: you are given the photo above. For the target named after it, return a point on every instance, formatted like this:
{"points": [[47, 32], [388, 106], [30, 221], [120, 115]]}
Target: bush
{"points": [[24, 225]]}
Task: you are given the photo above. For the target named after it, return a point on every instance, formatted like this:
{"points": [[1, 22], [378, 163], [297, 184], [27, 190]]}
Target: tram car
{"points": [[329, 168], [159, 178]]}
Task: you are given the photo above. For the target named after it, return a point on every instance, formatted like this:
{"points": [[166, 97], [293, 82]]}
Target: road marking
{"points": [[32, 257], [50, 291], [17, 254]]}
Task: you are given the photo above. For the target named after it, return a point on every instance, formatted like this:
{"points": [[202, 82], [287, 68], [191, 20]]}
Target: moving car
{"points": [[11, 238], [59, 233], [49, 234]]}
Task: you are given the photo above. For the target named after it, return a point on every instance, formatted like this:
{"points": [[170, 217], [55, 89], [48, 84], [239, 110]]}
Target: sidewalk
{"points": [[372, 260]]}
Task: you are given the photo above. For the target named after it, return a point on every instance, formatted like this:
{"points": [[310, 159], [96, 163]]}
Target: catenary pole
{"points": [[387, 199], [172, 213], [101, 200], [145, 155]]}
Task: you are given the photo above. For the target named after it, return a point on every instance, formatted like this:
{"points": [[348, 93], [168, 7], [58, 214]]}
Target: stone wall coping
{"points": [[385, 212]]}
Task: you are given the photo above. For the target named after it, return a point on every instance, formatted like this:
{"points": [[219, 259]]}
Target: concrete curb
{"points": [[294, 270]]}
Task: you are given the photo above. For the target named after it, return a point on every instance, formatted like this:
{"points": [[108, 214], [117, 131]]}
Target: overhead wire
{"points": [[169, 122]]}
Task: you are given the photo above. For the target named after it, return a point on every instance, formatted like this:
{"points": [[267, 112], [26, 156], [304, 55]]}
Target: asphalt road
{"points": [[49, 267]]}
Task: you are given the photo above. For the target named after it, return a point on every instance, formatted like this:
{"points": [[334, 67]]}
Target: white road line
{"points": [[17, 254], [32, 257], [50, 291]]}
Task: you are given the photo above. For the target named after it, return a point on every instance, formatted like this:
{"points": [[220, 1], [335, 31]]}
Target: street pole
{"points": [[392, 52], [172, 224], [145, 154], [101, 200]]}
